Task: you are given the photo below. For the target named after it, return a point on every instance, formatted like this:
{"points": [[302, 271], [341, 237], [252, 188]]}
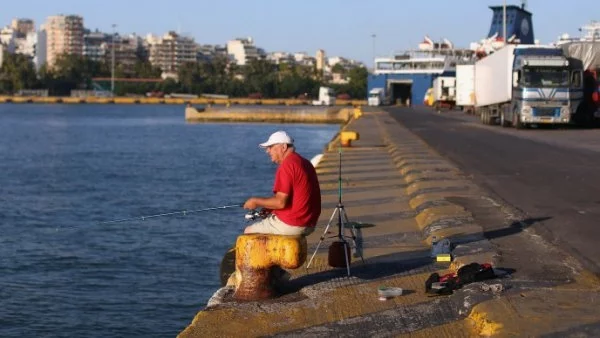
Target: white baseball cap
{"points": [[276, 138]]}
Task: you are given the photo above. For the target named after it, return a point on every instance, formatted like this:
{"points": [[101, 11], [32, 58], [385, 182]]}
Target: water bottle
{"points": [[440, 247], [434, 241], [387, 292]]}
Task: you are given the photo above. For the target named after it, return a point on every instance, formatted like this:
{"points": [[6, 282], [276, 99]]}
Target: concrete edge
{"points": [[430, 179]]}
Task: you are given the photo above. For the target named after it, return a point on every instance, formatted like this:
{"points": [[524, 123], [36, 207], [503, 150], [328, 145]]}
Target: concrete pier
{"points": [[399, 194], [332, 115]]}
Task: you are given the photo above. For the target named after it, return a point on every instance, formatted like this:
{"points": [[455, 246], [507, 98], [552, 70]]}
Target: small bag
{"points": [[446, 284], [474, 272]]}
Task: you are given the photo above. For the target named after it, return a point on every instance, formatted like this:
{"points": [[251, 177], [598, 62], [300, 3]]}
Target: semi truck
{"points": [[586, 55], [326, 97], [376, 96], [520, 85], [444, 92], [465, 87]]}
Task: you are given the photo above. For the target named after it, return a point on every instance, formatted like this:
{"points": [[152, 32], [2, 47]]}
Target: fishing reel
{"points": [[253, 215]]}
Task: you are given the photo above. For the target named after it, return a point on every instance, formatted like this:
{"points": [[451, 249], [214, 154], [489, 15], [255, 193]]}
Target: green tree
{"points": [[338, 69], [358, 82], [17, 72], [72, 72], [261, 77], [190, 78]]}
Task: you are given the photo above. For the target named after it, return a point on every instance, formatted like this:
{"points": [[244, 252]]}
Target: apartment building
{"points": [[22, 27], [64, 35], [8, 37], [19, 37], [26, 45], [280, 57], [244, 50], [321, 60], [171, 51], [126, 51], [207, 52], [94, 45], [303, 59], [98, 46]]}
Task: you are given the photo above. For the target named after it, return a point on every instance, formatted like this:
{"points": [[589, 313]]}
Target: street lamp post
{"points": [[112, 64], [373, 36], [504, 23]]}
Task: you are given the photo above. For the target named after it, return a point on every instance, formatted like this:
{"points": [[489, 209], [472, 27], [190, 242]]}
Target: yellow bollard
{"points": [[257, 255], [357, 112], [347, 137]]}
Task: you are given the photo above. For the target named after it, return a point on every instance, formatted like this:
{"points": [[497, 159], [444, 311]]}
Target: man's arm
{"points": [[277, 201]]}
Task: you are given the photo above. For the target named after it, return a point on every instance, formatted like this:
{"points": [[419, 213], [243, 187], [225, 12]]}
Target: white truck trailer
{"points": [[520, 85], [465, 87]]}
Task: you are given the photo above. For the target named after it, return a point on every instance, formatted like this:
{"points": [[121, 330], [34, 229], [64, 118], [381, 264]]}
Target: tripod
{"points": [[343, 222]]}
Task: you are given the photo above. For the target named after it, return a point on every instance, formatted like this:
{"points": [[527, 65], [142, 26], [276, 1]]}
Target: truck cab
{"points": [[545, 89], [375, 97], [326, 97], [444, 92]]}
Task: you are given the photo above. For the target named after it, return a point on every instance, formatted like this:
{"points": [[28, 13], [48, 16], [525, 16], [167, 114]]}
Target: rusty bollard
{"points": [[256, 255]]}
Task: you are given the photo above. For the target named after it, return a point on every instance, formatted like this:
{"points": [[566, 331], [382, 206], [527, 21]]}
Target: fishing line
{"points": [[182, 212]]}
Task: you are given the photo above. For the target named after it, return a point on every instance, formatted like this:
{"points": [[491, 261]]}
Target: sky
{"points": [[340, 27]]}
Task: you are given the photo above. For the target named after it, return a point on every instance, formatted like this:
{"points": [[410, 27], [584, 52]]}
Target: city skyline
{"points": [[341, 28]]}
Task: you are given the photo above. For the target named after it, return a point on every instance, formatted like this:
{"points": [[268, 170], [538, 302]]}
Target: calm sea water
{"points": [[64, 169]]}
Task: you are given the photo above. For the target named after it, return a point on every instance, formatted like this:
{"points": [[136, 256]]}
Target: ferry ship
{"points": [[406, 76]]}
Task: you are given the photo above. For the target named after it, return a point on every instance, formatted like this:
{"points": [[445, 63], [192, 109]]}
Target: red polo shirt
{"points": [[297, 178]]}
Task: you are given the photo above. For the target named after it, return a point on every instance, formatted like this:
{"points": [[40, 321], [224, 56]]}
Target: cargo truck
{"points": [[520, 85], [444, 92], [326, 97], [586, 55], [375, 97], [465, 87]]}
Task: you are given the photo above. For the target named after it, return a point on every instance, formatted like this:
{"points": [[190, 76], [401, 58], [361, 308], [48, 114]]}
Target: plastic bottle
{"points": [[387, 292], [434, 241], [440, 247]]}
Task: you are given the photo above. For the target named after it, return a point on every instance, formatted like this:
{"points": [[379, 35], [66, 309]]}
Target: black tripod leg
{"points": [[322, 238], [356, 238], [346, 247]]}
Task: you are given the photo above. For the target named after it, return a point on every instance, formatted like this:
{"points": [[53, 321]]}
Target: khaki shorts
{"points": [[273, 225]]}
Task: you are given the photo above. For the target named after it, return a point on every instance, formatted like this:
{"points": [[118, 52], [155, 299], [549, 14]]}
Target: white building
{"points": [[280, 57], [171, 51], [94, 45], [337, 59], [8, 39], [303, 59], [26, 45], [244, 50]]}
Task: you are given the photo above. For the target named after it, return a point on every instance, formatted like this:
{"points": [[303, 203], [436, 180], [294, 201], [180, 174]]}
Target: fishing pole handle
{"points": [[257, 214]]}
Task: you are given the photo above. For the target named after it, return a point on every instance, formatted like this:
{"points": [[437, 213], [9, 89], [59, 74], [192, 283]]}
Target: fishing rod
{"points": [[182, 212]]}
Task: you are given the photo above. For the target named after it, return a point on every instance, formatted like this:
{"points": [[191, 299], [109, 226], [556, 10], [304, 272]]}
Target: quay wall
{"points": [[157, 100]]}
